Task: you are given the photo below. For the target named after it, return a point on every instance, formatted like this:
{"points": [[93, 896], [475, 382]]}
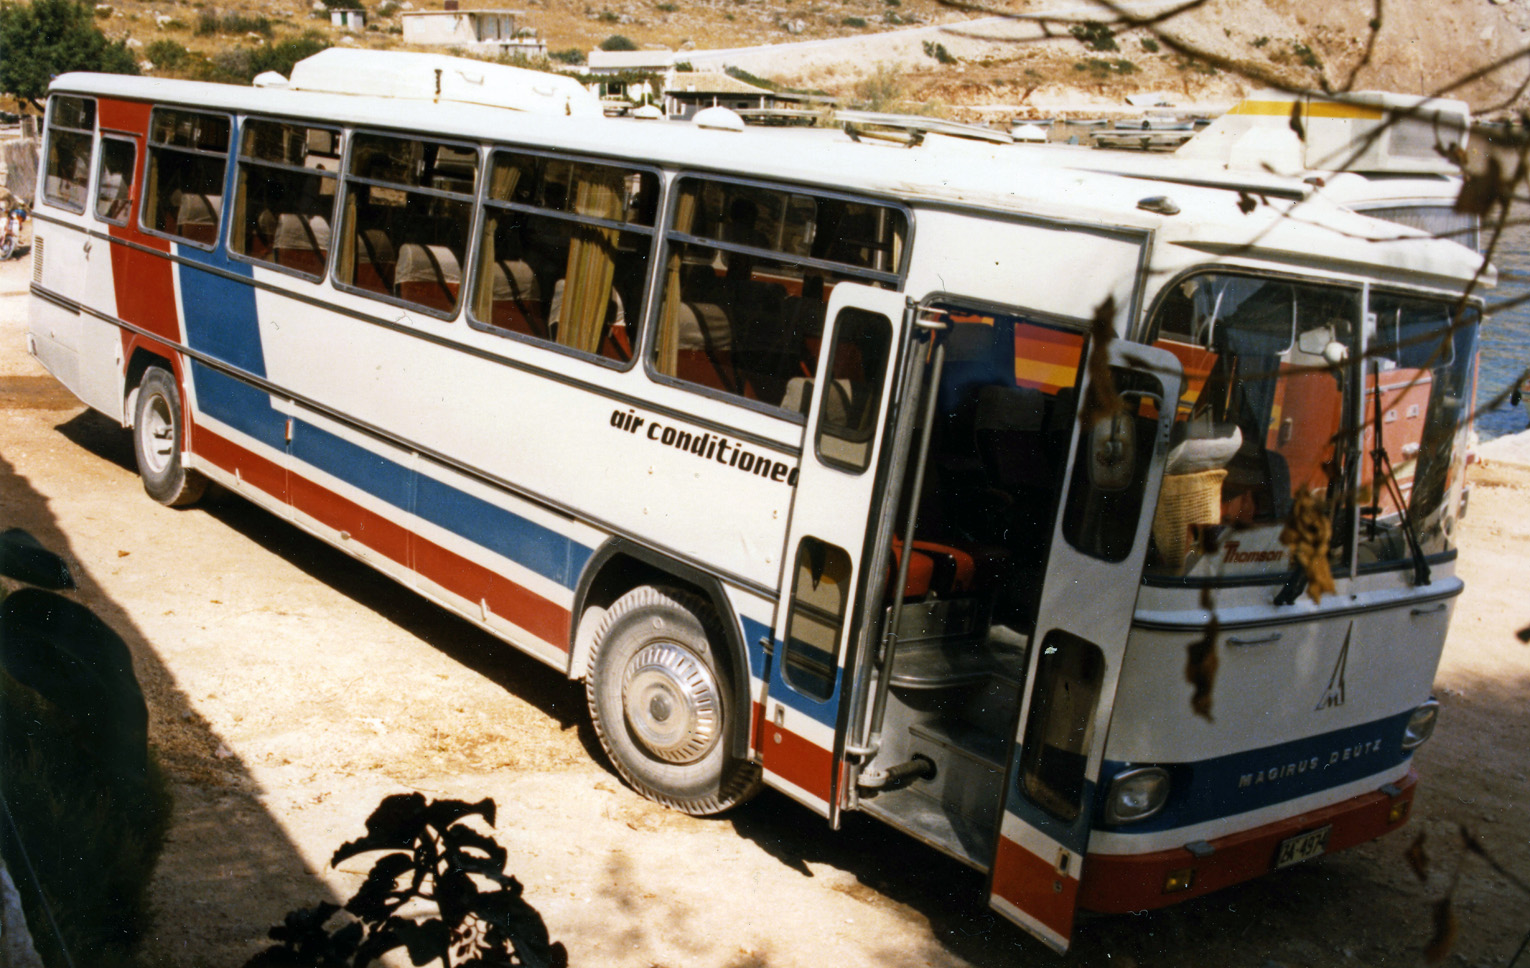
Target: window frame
{"points": [[238, 159], [148, 157], [893, 281], [639, 315], [95, 116], [341, 231]]}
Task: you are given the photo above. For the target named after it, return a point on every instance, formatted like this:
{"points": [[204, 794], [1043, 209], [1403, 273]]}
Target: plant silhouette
{"points": [[472, 914]]}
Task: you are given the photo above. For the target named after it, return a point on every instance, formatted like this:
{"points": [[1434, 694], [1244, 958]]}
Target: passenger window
{"points": [[284, 199], [819, 603], [853, 391], [188, 158], [747, 282], [565, 251], [1059, 730], [71, 138], [408, 206], [114, 184]]}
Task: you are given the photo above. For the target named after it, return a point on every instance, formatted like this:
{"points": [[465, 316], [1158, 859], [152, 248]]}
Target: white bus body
{"points": [[677, 409]]}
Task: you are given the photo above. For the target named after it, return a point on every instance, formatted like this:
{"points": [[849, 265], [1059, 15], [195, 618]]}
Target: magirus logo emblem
{"points": [[1333, 696]]}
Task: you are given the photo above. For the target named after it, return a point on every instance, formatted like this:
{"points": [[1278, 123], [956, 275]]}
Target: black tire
{"points": [[7, 247], [159, 437], [662, 703]]}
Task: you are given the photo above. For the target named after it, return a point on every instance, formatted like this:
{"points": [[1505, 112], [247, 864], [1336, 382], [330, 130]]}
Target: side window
{"points": [[747, 281], [284, 199], [819, 605], [408, 208], [853, 394], [188, 157], [114, 184], [71, 138], [565, 252]]}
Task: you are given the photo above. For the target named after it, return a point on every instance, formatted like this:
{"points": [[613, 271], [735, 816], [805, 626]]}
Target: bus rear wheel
{"points": [[159, 437], [661, 702]]}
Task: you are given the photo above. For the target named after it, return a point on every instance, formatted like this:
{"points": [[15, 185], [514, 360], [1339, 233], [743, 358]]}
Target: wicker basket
{"points": [[1186, 499]]}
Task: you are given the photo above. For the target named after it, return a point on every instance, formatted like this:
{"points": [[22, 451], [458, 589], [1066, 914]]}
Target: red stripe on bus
{"points": [[263, 474], [796, 760], [1116, 884], [1033, 885], [546, 620], [542, 618]]}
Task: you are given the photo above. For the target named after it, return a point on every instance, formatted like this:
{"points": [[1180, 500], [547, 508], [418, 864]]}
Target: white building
{"points": [[480, 31]]}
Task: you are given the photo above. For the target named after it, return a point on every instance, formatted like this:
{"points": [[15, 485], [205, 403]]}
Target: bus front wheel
{"points": [[159, 437], [661, 702]]}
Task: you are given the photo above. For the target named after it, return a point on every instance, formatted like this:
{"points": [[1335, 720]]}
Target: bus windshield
{"points": [[1284, 381]]}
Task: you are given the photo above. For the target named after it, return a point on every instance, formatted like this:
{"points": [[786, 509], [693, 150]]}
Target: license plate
{"points": [[1294, 850]]}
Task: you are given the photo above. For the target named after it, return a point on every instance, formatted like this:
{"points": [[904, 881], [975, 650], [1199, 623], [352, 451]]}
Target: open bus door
{"points": [[801, 744], [1093, 571]]}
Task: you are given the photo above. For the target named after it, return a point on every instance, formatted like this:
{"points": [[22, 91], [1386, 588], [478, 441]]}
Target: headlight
{"points": [[1137, 794], [1421, 725]]}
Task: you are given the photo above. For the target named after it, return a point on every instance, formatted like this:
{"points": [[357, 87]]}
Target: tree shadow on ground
{"points": [[240, 847]]}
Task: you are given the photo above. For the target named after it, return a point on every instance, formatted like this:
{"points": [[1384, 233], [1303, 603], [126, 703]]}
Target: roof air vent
{"points": [[1159, 205], [719, 119]]}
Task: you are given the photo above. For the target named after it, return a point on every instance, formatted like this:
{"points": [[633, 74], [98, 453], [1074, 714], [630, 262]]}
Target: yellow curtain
{"points": [[591, 268], [667, 352], [345, 264], [502, 181]]}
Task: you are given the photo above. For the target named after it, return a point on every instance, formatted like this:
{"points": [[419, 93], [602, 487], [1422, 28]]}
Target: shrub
{"points": [[1094, 35], [617, 42], [212, 22], [609, 17], [666, 7], [572, 55], [387, 8], [939, 52], [856, 22], [167, 55], [1150, 45]]}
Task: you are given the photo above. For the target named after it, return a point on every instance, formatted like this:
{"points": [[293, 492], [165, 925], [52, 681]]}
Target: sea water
{"points": [[1505, 336]]}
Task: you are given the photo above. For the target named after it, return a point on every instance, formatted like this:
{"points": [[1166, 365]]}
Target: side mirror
{"points": [[1112, 452]]}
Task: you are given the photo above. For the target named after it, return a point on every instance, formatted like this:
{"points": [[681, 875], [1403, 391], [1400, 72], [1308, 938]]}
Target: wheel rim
{"points": [[671, 702], [158, 434]]}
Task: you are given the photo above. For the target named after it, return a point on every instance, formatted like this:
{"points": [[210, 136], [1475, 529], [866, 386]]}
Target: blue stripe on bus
{"points": [[220, 313], [221, 321], [1225, 786], [825, 711]]}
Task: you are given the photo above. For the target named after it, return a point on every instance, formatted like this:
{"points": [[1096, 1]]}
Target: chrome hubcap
{"points": [[158, 434], [671, 702]]}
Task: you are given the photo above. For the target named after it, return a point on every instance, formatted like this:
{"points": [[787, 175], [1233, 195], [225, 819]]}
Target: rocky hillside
{"points": [[1201, 56]]}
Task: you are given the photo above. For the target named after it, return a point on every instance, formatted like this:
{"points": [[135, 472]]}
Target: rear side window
{"points": [[114, 186], [71, 138], [284, 199], [408, 208], [188, 157]]}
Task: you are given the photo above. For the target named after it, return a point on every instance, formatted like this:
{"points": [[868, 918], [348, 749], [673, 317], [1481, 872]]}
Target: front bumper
{"points": [[1121, 883]]}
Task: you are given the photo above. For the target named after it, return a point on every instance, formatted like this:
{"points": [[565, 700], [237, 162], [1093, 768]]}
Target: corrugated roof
{"points": [[711, 82]]}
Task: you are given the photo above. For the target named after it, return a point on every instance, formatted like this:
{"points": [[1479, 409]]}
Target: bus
{"points": [[1022, 508]]}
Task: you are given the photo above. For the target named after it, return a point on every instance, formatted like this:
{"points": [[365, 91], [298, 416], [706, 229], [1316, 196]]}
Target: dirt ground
{"points": [[291, 688]]}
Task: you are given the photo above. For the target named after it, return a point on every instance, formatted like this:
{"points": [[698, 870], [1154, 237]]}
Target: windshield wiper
{"points": [[1382, 472]]}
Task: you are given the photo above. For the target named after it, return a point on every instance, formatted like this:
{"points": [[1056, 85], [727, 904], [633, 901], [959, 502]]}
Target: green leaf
{"points": [[23, 558]]}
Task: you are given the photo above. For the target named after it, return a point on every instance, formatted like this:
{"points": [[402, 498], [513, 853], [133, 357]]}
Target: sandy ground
{"points": [[291, 688]]}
